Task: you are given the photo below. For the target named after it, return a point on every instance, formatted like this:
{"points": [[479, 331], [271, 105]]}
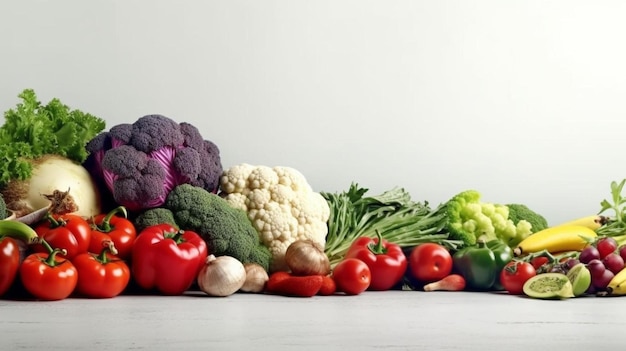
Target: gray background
{"points": [[521, 100]]}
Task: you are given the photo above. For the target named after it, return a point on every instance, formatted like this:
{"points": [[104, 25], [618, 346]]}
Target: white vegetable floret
{"points": [[281, 205]]}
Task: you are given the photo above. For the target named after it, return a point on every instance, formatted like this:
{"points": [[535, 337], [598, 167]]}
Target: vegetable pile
{"points": [[147, 206], [455, 224], [226, 229]]}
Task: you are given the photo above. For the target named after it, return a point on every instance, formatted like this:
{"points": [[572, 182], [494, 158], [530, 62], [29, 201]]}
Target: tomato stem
{"points": [[105, 226], [542, 253], [53, 222], [52, 253], [45, 245], [109, 247]]}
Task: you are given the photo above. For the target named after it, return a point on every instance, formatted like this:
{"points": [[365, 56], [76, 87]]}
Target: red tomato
{"points": [[48, 276], [110, 227], [515, 274], [101, 276], [352, 276], [430, 262], [69, 232]]}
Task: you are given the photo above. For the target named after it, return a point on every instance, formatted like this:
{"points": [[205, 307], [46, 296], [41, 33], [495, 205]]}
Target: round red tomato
{"points": [[352, 276], [48, 278], [100, 276], [430, 262], [515, 274]]}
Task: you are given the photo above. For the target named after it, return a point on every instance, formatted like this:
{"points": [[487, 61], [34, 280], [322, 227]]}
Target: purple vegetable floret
{"points": [[140, 163]]}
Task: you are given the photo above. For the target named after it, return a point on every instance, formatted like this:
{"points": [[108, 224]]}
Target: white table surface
{"points": [[391, 320]]}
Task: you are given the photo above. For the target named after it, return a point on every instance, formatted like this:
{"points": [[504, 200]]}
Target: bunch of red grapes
{"points": [[604, 259]]}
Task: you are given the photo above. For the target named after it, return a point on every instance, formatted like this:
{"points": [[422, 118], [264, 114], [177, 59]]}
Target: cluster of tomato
{"points": [[438, 269], [495, 270], [375, 264], [97, 258], [78, 255]]}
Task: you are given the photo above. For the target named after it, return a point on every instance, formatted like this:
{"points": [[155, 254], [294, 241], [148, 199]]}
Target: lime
{"points": [[549, 286], [580, 277]]}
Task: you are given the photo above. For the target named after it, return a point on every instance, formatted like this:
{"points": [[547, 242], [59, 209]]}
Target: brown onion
{"points": [[306, 257]]}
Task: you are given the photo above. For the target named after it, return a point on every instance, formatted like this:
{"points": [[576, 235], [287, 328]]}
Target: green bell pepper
{"points": [[503, 254], [480, 265]]}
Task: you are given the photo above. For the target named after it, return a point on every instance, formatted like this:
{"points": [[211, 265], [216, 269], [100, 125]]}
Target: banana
{"points": [[557, 239], [617, 285], [592, 222], [18, 230]]}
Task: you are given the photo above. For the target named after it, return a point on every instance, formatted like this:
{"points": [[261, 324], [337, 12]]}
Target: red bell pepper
{"points": [[110, 227], [13, 233], [167, 259], [47, 276], [387, 261], [102, 275], [69, 232]]}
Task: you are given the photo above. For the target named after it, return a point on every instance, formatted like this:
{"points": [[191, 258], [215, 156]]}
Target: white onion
{"points": [[221, 276]]}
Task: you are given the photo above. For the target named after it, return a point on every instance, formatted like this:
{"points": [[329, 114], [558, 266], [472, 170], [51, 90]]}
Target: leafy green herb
{"points": [[616, 225], [399, 220], [32, 130]]}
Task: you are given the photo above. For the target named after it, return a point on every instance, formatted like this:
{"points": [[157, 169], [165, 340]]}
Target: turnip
{"points": [[53, 179], [42, 148]]}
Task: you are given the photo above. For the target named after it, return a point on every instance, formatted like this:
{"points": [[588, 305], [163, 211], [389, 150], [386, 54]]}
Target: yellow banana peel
{"points": [[555, 239], [617, 285], [592, 222]]}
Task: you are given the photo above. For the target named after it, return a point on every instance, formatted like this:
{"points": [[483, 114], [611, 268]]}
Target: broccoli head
{"points": [[226, 229], [140, 163], [154, 216]]}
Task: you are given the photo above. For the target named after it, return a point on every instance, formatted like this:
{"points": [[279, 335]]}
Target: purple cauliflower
{"points": [[140, 163]]}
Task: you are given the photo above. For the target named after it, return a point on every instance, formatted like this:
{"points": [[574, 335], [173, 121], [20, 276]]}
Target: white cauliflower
{"points": [[281, 205]]}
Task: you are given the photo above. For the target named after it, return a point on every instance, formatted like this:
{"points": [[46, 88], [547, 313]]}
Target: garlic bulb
{"points": [[306, 257], [221, 276], [256, 278]]}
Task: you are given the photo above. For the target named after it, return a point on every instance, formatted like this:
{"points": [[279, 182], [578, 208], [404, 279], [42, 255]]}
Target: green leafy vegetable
{"points": [[616, 224], [32, 130], [398, 219]]}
